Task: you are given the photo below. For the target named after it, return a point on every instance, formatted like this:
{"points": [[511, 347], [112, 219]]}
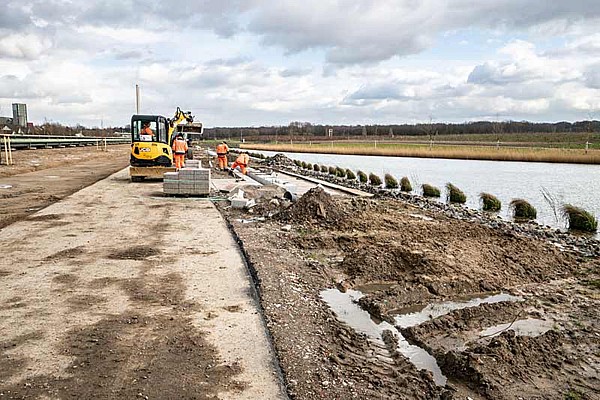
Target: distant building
{"points": [[6, 121], [19, 114]]}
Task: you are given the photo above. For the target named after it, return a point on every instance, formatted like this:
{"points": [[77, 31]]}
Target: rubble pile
{"points": [[315, 206], [279, 160]]}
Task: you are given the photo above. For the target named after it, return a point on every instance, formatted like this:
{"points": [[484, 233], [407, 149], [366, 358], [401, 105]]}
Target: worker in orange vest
{"points": [[242, 162], [180, 147], [222, 151], [146, 130]]}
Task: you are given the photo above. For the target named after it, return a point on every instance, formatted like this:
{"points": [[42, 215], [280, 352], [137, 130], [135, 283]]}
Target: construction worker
{"points": [[242, 162], [222, 151], [180, 147], [146, 130]]}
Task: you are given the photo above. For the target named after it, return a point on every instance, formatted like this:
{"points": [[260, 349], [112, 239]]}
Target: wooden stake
{"points": [[6, 151], [10, 152]]}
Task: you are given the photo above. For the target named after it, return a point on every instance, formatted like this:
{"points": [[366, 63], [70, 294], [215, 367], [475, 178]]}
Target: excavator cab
{"points": [[150, 142]]}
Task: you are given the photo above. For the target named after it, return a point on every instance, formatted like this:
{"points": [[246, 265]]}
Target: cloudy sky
{"points": [[265, 62]]}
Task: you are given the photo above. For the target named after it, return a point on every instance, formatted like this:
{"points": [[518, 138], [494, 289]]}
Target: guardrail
{"points": [[46, 141]]}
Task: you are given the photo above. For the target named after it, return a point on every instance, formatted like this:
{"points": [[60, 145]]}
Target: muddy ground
{"points": [[117, 292], [404, 258], [41, 177]]}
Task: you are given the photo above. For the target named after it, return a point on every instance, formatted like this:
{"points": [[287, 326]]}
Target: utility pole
{"points": [[137, 98]]}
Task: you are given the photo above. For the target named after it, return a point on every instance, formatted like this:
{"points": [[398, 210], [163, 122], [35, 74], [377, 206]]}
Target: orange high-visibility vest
{"points": [[242, 159], [222, 149], [147, 131], [179, 146]]}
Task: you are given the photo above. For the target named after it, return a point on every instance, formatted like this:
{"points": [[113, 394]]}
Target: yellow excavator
{"points": [[151, 140]]}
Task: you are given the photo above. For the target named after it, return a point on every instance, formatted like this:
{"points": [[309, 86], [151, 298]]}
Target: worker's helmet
{"points": [[180, 135]]}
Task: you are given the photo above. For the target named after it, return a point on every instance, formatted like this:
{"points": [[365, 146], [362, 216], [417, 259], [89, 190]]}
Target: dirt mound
{"points": [[315, 206], [279, 160]]}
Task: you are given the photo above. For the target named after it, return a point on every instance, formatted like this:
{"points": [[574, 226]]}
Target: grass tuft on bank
{"points": [[455, 195], [430, 190], [579, 219], [405, 185], [362, 177], [374, 180], [390, 182], [489, 202], [522, 210]]}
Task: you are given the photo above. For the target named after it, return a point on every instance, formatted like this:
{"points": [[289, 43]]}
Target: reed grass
{"points": [[455, 195], [350, 174], [362, 177], [390, 182], [489, 202], [374, 180], [522, 210], [405, 185], [471, 152], [430, 190], [579, 219]]}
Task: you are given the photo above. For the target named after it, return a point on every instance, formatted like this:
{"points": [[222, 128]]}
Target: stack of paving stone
{"points": [[187, 181], [192, 164]]}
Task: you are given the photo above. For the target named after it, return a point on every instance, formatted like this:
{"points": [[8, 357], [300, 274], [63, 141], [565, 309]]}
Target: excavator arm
{"points": [[177, 119]]}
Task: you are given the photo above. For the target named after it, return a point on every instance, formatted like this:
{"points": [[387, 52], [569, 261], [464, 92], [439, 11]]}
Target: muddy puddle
{"points": [[413, 316], [345, 307], [524, 327]]}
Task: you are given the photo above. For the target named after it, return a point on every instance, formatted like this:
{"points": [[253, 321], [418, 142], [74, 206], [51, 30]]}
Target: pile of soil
{"points": [[315, 206], [278, 160]]}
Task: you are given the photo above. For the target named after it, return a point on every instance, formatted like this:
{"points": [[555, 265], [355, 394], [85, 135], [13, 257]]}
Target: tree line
{"points": [[424, 129]]}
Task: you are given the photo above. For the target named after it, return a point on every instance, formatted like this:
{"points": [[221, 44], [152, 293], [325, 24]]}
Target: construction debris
{"points": [[238, 200]]}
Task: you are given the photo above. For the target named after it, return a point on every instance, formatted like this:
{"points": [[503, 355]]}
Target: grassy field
{"points": [[569, 140], [462, 151]]}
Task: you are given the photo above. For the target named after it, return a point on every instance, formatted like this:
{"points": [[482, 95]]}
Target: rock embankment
{"points": [[583, 245]]}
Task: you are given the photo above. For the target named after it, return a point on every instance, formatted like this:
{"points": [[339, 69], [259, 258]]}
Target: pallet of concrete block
{"points": [[171, 183], [187, 182], [193, 164]]}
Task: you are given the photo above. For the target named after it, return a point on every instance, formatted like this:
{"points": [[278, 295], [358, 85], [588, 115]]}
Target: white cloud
{"points": [[25, 46]]}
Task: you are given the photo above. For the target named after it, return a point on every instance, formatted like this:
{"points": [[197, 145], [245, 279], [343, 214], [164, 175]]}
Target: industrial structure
{"points": [[19, 114]]}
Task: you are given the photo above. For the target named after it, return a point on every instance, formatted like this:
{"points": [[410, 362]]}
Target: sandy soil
{"points": [[39, 159], [119, 292], [41, 177], [403, 257]]}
